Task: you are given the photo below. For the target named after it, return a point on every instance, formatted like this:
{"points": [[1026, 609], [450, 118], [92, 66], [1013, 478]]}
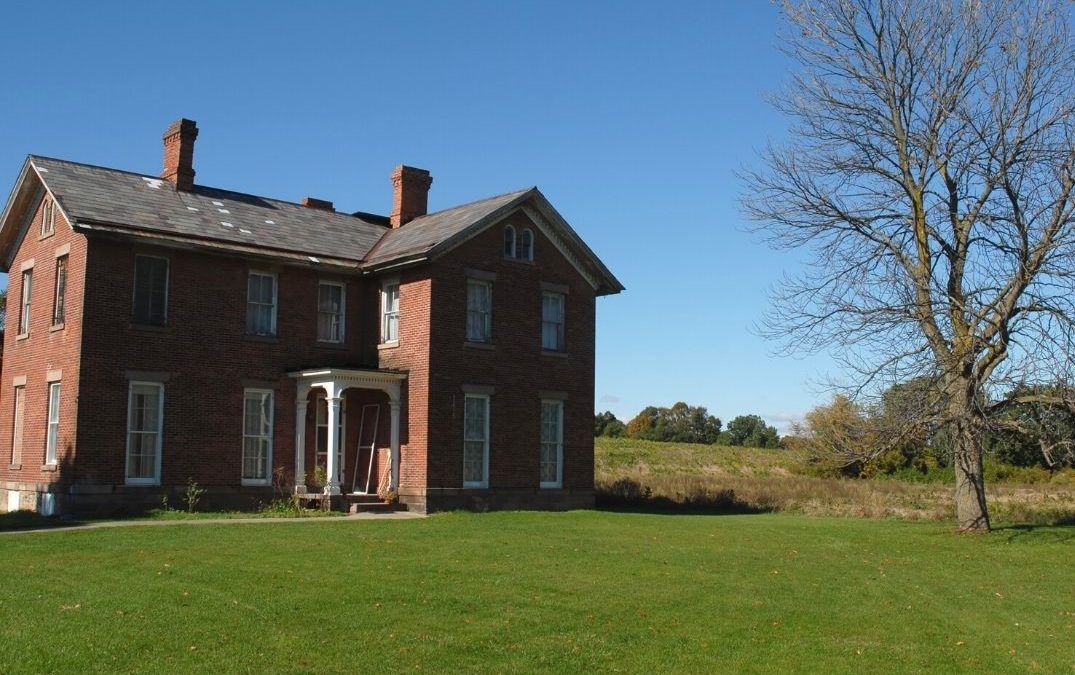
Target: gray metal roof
{"points": [[95, 194]]}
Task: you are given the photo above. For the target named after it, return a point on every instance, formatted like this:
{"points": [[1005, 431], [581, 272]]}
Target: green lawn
{"points": [[511, 592]]}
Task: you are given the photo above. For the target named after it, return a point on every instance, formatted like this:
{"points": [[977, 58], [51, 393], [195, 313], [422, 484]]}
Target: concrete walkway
{"points": [[102, 524]]}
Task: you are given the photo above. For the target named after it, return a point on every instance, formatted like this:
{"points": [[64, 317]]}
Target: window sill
{"points": [[388, 345], [550, 352], [475, 486], [479, 345], [142, 483], [14, 467], [49, 467], [523, 261], [55, 327], [550, 486], [148, 327], [330, 344], [21, 336], [270, 339], [247, 482], [43, 237]]}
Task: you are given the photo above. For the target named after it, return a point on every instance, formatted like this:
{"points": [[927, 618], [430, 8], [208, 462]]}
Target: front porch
{"points": [[329, 386]]}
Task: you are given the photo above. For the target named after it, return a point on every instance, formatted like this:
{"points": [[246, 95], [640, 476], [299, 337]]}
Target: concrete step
{"points": [[377, 506]]}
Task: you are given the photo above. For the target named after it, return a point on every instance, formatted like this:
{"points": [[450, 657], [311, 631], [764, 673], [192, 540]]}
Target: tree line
{"points": [[682, 423]]}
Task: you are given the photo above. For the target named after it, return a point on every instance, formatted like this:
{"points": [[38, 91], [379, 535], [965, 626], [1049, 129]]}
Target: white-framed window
{"points": [[145, 424], [150, 304], [390, 312], [52, 435], [552, 444], [261, 304], [61, 290], [476, 441], [509, 242], [321, 430], [16, 433], [331, 301], [552, 321], [479, 311], [24, 306], [526, 248], [257, 436], [48, 217]]}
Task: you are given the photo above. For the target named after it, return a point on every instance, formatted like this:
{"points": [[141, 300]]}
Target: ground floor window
{"points": [[257, 436], [552, 443], [476, 441], [53, 431], [321, 457], [16, 435], [145, 417]]}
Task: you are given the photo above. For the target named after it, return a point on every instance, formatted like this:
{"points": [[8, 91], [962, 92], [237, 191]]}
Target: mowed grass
{"points": [[521, 592]]}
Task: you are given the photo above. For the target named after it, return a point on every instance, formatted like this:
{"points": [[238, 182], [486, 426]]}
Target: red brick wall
{"points": [[515, 366], [44, 349]]}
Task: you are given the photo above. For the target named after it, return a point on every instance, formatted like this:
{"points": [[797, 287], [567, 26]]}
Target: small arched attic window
{"points": [[527, 248], [509, 242]]}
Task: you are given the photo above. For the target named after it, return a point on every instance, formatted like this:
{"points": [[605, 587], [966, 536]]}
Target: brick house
{"points": [[162, 331]]}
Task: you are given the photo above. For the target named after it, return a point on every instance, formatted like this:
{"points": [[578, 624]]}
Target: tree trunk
{"points": [[971, 511]]}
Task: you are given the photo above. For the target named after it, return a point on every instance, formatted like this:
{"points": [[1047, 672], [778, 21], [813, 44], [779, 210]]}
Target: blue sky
{"points": [[631, 117]]}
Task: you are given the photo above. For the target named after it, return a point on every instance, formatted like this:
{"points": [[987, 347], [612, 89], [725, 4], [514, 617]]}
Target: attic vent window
{"points": [[48, 217], [518, 246], [509, 242]]}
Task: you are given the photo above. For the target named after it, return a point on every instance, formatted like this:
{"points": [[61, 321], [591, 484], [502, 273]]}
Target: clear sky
{"points": [[631, 117]]}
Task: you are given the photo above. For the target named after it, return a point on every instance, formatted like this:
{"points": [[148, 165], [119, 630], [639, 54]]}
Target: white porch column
{"points": [[393, 445], [300, 440], [333, 445]]}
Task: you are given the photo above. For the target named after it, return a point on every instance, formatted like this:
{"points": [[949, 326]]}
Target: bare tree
{"points": [[931, 174]]}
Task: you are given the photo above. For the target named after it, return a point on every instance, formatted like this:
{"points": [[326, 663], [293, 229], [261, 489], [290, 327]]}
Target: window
{"points": [[261, 304], [321, 424], [53, 423], [552, 322], [257, 436], [479, 311], [48, 217], [145, 418], [16, 435], [509, 242], [390, 312], [476, 441], [150, 291], [330, 304], [24, 308], [61, 288], [552, 443], [526, 251]]}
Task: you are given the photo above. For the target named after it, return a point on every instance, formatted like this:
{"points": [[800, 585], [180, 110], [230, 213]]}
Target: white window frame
{"points": [[48, 217], [340, 317], [273, 306], [386, 338], [487, 317], [155, 479], [559, 443], [26, 292], [59, 293], [52, 433], [260, 393], [321, 429], [510, 236], [561, 333], [18, 424], [484, 483], [526, 249], [148, 320]]}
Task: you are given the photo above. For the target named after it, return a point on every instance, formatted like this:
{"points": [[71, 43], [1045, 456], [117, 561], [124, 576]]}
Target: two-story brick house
{"points": [[160, 331]]}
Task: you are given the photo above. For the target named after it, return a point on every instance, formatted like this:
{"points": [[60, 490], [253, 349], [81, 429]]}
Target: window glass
{"points": [[552, 321], [552, 442], [261, 304], [479, 311], [527, 248], [509, 242], [144, 432], [24, 308], [475, 441], [330, 312], [257, 436], [53, 423], [390, 313], [61, 290], [150, 290]]}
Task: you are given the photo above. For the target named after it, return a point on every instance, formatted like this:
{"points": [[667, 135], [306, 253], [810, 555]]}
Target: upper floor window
{"points": [[48, 217], [526, 245], [509, 242], [390, 312], [552, 321], [261, 304], [330, 311], [150, 290], [479, 311], [24, 306], [61, 290]]}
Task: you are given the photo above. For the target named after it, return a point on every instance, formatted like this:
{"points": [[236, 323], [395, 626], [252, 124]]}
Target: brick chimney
{"points": [[179, 154], [410, 194]]}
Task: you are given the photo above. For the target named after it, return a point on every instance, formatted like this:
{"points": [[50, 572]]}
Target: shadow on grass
{"points": [[1060, 530], [627, 495], [13, 521]]}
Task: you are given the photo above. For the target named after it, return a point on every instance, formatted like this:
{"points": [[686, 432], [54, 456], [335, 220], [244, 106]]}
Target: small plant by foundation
{"points": [[193, 495]]}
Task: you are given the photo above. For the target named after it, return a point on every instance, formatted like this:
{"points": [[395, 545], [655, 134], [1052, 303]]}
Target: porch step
{"points": [[371, 504]]}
